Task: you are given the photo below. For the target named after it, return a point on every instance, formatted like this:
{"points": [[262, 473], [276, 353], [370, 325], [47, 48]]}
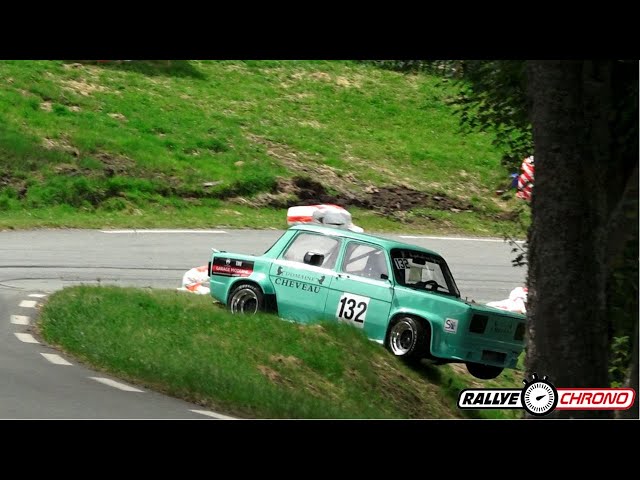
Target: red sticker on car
{"points": [[229, 267]]}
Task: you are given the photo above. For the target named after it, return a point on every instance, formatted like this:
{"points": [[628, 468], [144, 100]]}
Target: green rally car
{"points": [[401, 295]]}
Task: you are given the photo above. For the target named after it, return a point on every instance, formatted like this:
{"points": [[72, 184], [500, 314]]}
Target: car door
{"points": [[302, 273], [361, 293]]}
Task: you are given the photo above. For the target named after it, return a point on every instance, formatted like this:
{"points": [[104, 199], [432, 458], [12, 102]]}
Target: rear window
{"points": [[314, 243]]}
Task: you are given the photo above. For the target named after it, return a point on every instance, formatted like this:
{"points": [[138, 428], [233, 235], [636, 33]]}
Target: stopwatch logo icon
{"points": [[539, 396]]}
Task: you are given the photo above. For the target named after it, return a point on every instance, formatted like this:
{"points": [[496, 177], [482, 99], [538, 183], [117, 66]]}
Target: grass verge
{"points": [[242, 216], [251, 367]]}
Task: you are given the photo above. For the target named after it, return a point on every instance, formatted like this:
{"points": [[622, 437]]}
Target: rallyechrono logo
{"points": [[540, 397]]}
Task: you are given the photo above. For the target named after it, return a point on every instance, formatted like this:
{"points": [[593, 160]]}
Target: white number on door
{"points": [[352, 308]]}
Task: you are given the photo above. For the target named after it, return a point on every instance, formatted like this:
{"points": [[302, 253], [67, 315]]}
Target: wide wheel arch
{"points": [[271, 303], [426, 353]]}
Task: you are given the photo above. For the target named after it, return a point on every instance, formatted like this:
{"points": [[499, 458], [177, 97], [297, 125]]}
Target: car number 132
{"points": [[352, 308]]}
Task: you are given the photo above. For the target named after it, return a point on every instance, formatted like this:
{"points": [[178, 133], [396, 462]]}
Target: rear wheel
{"points": [[407, 338], [483, 372], [246, 298]]}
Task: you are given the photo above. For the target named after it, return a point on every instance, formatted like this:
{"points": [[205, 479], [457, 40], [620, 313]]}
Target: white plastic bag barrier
{"points": [[517, 301], [328, 215], [196, 280]]}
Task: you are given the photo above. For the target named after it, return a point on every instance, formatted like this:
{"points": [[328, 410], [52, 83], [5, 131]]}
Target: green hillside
{"points": [[234, 143]]}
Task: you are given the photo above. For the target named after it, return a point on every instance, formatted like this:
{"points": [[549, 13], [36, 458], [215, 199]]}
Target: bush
{"points": [[620, 358], [76, 192], [248, 186]]}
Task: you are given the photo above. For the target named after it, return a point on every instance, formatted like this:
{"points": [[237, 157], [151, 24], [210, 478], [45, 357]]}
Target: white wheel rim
{"points": [[402, 337], [244, 300]]}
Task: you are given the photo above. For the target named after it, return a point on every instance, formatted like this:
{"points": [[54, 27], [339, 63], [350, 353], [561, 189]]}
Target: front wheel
{"points": [[406, 338], [483, 372], [246, 298]]}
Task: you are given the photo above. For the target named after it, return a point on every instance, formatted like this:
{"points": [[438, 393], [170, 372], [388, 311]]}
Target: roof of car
{"points": [[383, 242]]}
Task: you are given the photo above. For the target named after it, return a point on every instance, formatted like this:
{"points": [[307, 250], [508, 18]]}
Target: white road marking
{"points": [[213, 414], [460, 238], [114, 384], [54, 358], [38, 295], [162, 231], [28, 304], [20, 319], [26, 338]]}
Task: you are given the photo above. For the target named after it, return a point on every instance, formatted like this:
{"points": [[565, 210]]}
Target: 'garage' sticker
{"points": [[228, 267]]}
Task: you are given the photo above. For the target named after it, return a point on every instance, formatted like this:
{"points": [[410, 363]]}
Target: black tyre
{"points": [[246, 298], [407, 338], [483, 372]]}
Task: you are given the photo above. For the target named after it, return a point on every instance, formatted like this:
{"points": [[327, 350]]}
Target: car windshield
{"points": [[422, 271]]}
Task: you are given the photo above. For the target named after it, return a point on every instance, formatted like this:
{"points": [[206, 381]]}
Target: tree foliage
{"points": [[493, 99]]}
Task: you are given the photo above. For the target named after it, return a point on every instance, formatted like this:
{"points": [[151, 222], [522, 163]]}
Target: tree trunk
{"points": [[567, 327]]}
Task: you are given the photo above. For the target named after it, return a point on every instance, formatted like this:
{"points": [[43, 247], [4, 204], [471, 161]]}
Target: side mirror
{"points": [[384, 276], [314, 259]]}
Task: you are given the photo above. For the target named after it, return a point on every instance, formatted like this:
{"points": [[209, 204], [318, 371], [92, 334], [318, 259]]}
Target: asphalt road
{"points": [[42, 261]]}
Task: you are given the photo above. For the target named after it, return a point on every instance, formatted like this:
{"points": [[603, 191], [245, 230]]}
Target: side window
{"points": [[365, 261], [321, 244]]}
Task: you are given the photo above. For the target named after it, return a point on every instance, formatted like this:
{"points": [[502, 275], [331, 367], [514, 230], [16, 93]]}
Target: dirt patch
{"points": [[347, 82], [506, 216], [5, 180], [322, 76], [316, 330], [67, 169], [288, 360], [18, 184], [117, 116], [111, 164], [399, 198], [83, 88], [386, 200], [60, 144], [114, 164], [272, 375], [340, 81], [46, 106], [71, 66], [296, 97], [339, 188], [307, 167], [311, 123], [236, 68]]}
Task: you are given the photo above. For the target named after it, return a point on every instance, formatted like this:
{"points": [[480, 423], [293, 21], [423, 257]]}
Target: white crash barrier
{"points": [[517, 301], [196, 280], [327, 214]]}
